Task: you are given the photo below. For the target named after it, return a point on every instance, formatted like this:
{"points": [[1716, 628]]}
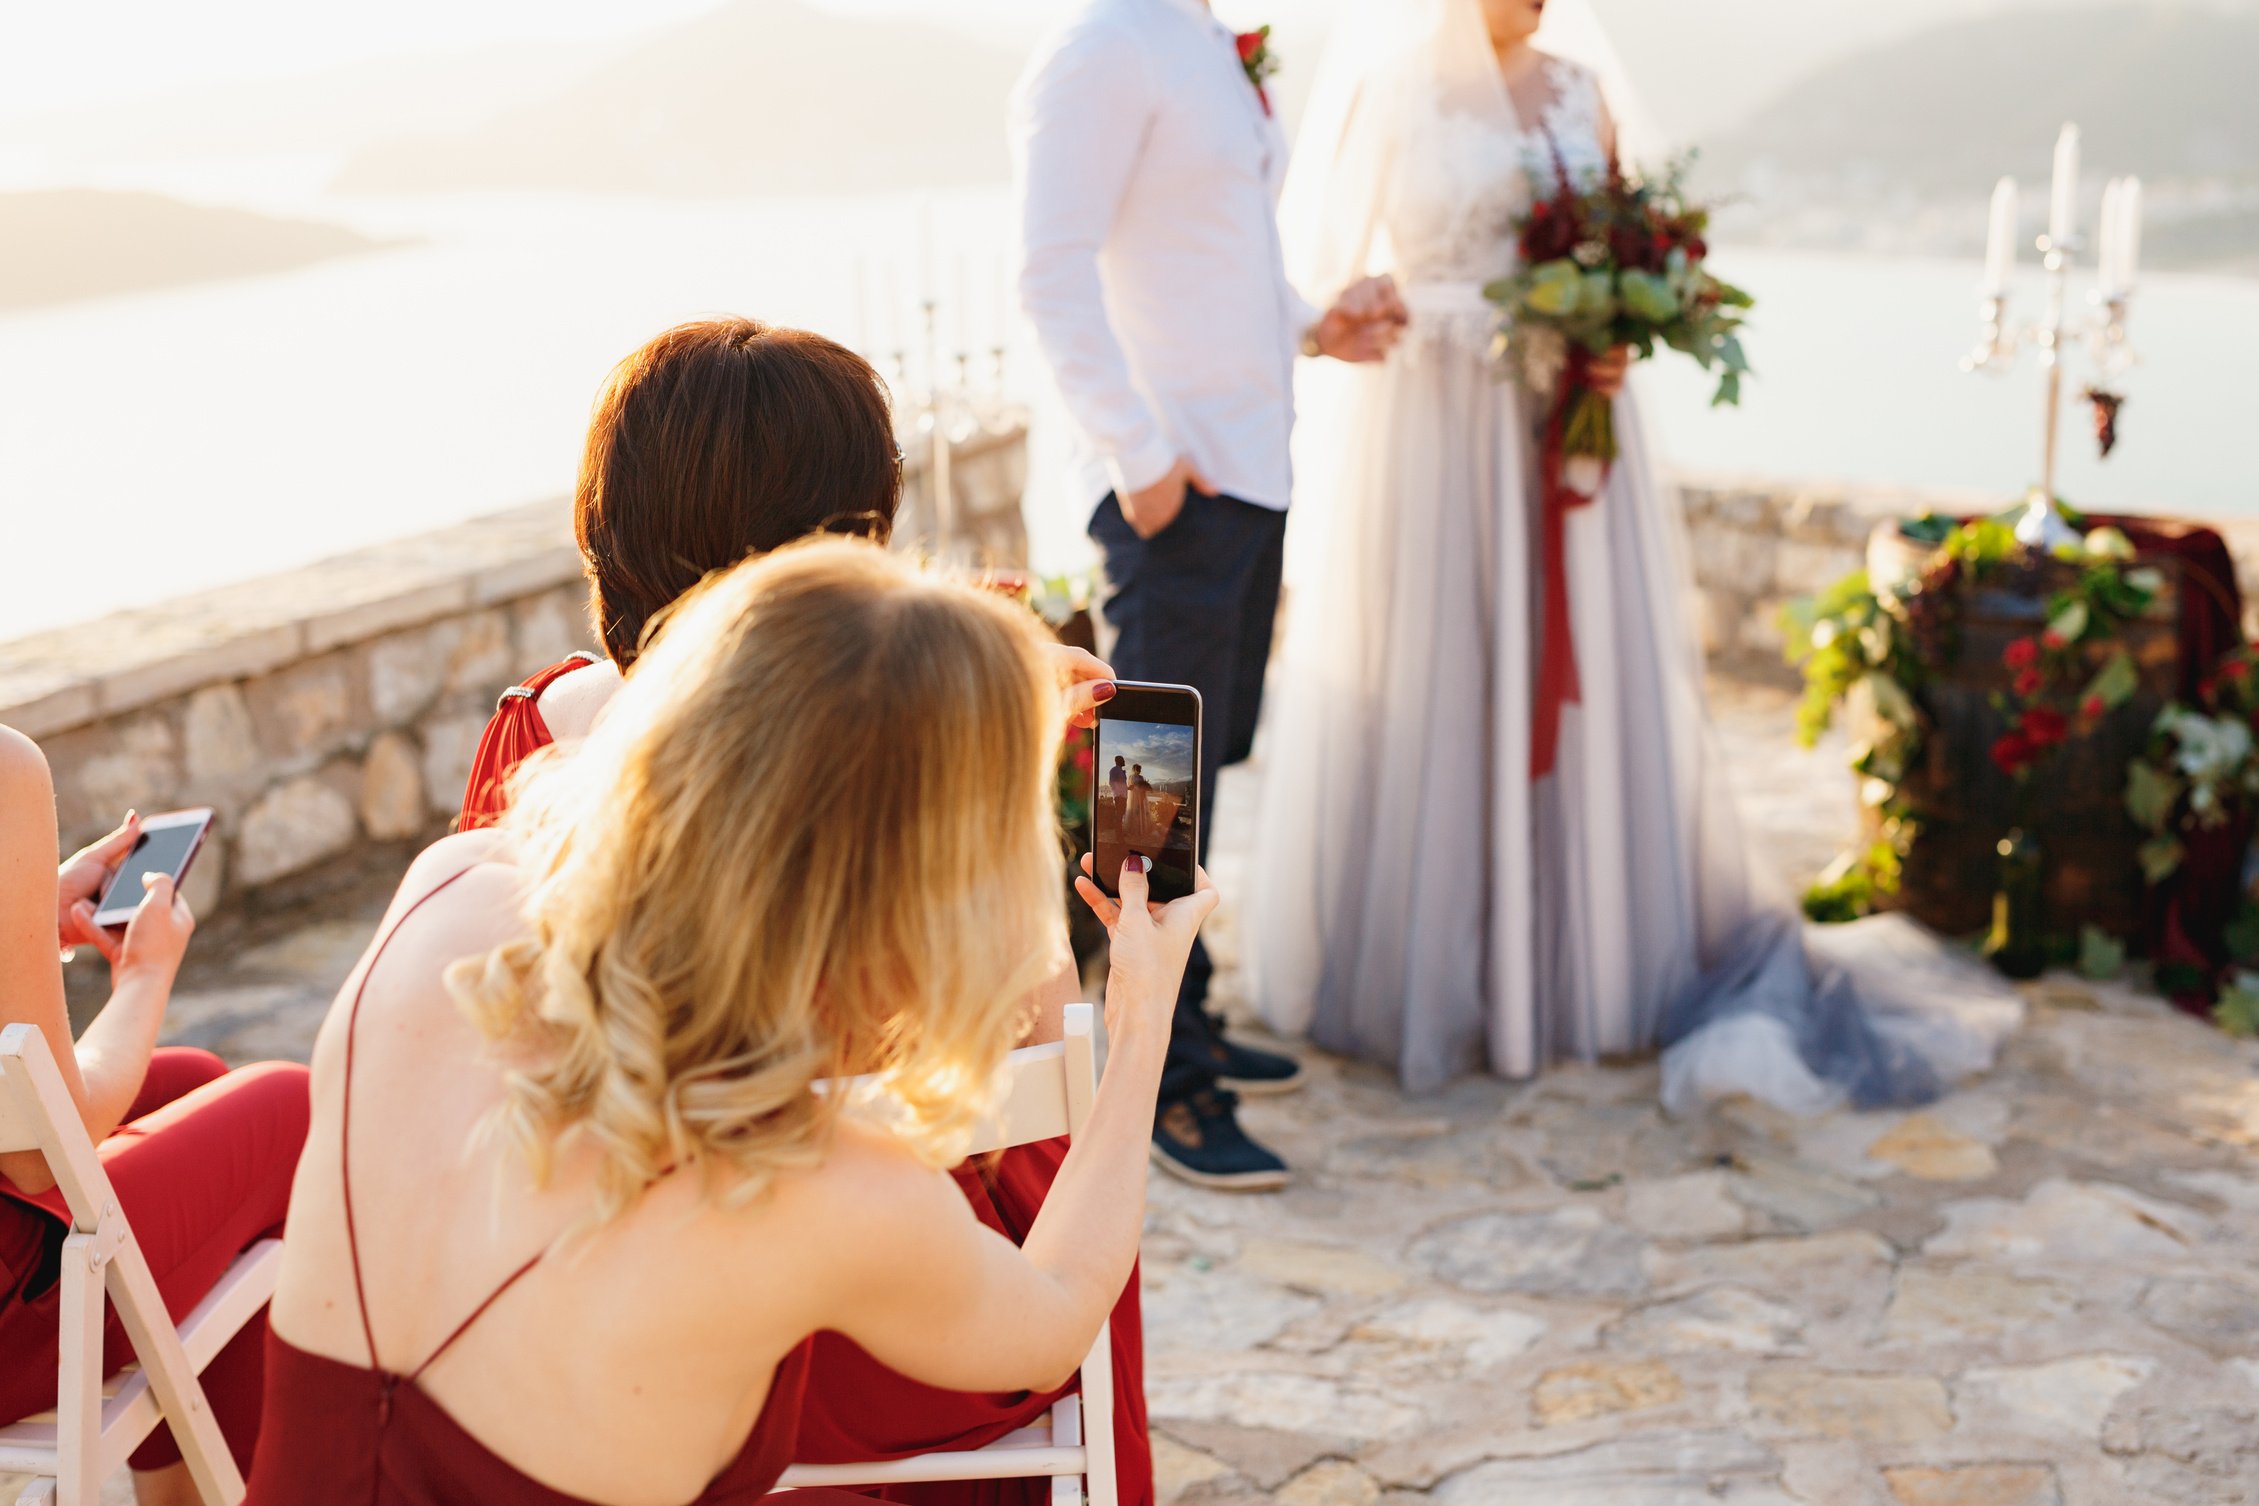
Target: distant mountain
{"points": [[1897, 144], [62, 244], [2168, 91], [760, 96]]}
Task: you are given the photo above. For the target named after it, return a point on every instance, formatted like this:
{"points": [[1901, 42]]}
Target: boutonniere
{"points": [[1255, 56]]}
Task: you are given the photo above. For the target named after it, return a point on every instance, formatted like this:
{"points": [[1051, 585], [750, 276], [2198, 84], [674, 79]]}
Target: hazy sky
{"points": [[1699, 60]]}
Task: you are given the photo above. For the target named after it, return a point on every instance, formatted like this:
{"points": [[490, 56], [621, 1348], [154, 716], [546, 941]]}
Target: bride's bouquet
{"points": [[1620, 263]]}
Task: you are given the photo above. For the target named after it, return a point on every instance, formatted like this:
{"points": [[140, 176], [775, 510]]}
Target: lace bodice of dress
{"points": [[1462, 178]]}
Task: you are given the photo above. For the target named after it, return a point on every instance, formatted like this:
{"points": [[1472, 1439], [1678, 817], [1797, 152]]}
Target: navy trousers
{"points": [[1194, 605]]}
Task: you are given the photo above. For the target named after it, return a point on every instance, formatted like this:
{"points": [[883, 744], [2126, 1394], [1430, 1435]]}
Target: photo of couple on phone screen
{"points": [[1144, 794]]}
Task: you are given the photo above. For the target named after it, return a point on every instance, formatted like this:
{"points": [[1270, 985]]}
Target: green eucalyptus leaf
{"points": [[2115, 682], [2151, 794], [2160, 858], [2069, 623], [1648, 296]]}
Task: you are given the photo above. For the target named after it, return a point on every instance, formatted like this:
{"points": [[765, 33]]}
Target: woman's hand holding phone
{"points": [[1148, 946], [150, 947], [1086, 680], [79, 882]]}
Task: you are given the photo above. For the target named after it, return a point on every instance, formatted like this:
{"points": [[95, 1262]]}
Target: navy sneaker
{"points": [[1248, 1070], [1199, 1139]]}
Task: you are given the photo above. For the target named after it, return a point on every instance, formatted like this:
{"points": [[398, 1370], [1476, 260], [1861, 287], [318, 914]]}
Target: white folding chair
{"points": [[71, 1450], [1048, 1091]]}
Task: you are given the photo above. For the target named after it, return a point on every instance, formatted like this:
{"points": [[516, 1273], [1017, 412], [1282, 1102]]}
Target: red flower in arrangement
{"points": [[2092, 708], [2021, 654], [1255, 57], [2028, 681], [2013, 752], [2053, 640], [2043, 726]]}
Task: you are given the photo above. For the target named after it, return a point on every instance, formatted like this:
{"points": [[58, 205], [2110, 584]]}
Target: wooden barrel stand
{"points": [[2074, 800]]}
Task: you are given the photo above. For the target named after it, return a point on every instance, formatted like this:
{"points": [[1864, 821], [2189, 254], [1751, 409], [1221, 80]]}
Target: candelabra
{"points": [[943, 409], [2102, 326]]}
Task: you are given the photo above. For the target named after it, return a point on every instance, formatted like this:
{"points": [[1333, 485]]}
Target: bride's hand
{"points": [[1605, 375]]}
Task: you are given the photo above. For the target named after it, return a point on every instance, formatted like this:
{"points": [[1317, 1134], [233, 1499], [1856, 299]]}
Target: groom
{"points": [[1149, 163]]}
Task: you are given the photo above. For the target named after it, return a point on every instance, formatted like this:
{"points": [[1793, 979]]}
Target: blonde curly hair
{"points": [[811, 838]]}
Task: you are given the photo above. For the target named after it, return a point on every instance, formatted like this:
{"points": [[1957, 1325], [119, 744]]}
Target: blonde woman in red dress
{"points": [[719, 440]]}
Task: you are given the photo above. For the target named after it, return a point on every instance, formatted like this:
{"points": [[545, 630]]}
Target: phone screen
{"points": [[163, 850], [1147, 795]]}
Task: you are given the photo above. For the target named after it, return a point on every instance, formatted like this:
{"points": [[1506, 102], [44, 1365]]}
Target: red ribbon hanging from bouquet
{"points": [[1557, 681]]}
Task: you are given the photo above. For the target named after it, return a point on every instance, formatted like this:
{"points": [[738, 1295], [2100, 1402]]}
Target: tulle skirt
{"points": [[1417, 899]]}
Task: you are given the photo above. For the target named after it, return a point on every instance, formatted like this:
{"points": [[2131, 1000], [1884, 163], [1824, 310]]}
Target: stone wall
{"points": [[329, 714], [1757, 544], [320, 712]]}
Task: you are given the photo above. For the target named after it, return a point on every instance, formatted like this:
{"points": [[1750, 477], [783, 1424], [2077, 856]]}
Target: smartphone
{"points": [[1146, 797], [167, 845]]}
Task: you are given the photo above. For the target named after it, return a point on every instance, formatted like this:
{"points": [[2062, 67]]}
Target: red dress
{"points": [[855, 1408], [339, 1432]]}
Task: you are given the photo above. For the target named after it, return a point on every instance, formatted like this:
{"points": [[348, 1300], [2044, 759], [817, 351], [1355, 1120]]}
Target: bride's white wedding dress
{"points": [[1418, 899]]}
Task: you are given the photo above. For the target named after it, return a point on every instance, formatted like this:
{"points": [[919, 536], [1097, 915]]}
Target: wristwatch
{"points": [[1310, 346]]}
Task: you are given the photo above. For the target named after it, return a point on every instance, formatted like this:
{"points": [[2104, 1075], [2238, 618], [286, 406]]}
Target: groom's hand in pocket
{"points": [[1153, 508]]}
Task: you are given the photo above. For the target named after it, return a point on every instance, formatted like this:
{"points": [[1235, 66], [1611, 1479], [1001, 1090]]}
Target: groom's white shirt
{"points": [[1149, 176]]}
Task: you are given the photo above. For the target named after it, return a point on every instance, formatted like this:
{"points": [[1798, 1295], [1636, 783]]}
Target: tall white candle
{"points": [[894, 305], [926, 293], [863, 304], [2063, 206], [2129, 232], [2000, 239], [2106, 239], [964, 306]]}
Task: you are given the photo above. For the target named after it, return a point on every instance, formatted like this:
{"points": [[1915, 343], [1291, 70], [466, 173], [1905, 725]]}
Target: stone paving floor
{"points": [[2037, 1292]]}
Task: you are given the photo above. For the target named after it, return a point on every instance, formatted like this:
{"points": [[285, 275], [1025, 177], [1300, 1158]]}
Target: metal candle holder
{"points": [[942, 411], [2042, 525]]}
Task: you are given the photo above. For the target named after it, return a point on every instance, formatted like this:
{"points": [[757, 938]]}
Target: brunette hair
{"points": [[737, 892], [719, 439]]}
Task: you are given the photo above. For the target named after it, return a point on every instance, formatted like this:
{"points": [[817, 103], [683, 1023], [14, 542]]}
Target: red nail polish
{"points": [[1103, 691]]}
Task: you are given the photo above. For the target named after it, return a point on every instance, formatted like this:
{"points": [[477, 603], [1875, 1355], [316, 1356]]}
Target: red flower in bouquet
{"points": [[2023, 653], [1255, 57], [2092, 708], [2013, 752], [2043, 727], [2029, 681]]}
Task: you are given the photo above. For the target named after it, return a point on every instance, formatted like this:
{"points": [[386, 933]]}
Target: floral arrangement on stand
{"points": [[1876, 650], [2197, 787]]}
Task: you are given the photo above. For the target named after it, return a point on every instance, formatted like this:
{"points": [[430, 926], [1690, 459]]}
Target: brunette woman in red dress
{"points": [[572, 1205], [718, 440]]}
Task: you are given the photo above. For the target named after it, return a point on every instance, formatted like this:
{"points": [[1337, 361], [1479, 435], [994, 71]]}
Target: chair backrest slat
{"points": [[16, 1123], [36, 1113]]}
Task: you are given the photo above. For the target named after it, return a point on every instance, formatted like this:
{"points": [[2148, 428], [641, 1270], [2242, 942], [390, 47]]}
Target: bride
{"points": [[1440, 891]]}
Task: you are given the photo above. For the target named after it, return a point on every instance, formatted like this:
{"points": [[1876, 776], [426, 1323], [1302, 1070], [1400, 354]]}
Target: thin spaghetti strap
{"points": [[477, 1313], [345, 1113]]}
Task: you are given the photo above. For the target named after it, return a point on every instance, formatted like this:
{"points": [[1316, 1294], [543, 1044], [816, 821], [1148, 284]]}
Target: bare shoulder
{"points": [[572, 702], [871, 1192], [23, 768]]}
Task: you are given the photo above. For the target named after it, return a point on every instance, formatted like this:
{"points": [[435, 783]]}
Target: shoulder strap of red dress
{"points": [[345, 1110], [513, 734]]}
